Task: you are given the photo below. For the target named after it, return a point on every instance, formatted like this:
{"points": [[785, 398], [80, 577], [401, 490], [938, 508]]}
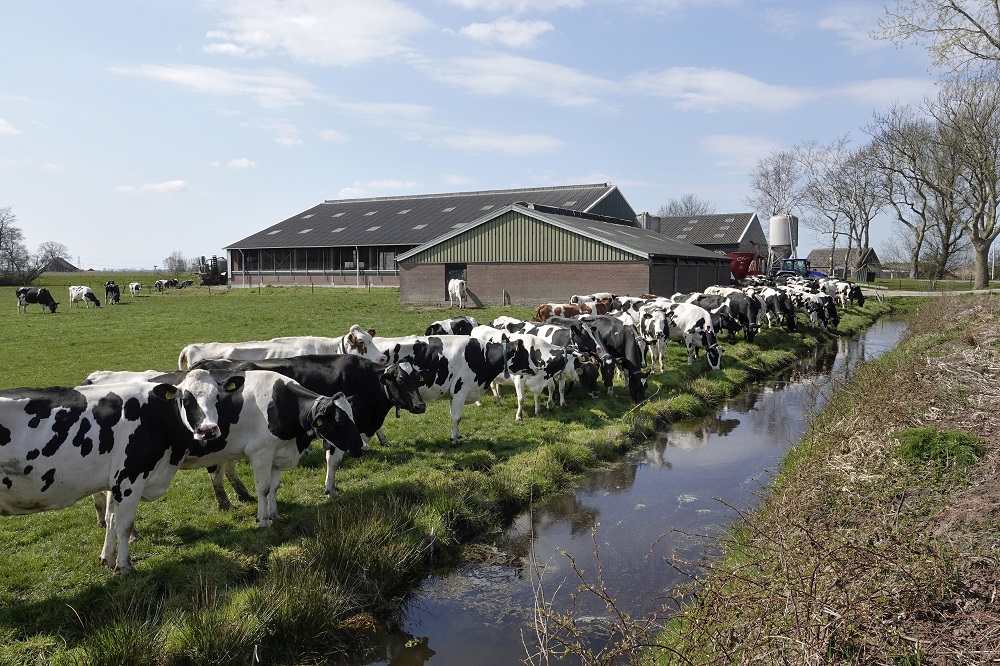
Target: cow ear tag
{"points": [[319, 422], [170, 395]]}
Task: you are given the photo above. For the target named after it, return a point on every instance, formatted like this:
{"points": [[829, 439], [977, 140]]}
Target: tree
{"points": [[958, 34], [175, 263], [776, 182], [17, 265], [49, 251], [688, 205]]}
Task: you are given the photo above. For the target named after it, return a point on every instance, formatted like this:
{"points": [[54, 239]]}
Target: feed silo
{"points": [[783, 236]]}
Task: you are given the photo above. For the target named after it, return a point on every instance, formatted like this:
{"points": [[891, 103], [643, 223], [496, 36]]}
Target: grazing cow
{"points": [[454, 326], [625, 346], [134, 288], [460, 366], [457, 291], [357, 341], [562, 332], [160, 285], [185, 284], [778, 307], [844, 291], [373, 389], [84, 294], [39, 295], [547, 363], [272, 422], [693, 325], [112, 294], [62, 444], [652, 327]]}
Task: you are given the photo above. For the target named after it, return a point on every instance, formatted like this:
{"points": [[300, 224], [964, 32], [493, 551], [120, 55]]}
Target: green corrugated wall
{"points": [[515, 238]]}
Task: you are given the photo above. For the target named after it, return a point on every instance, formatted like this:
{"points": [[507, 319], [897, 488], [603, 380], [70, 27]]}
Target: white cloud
{"points": [[716, 89], [241, 163], [739, 153], [270, 88], [517, 6], [482, 141], [167, 186], [7, 128], [886, 92], [333, 136], [288, 141], [360, 190], [513, 75], [853, 22], [320, 32], [507, 31]]}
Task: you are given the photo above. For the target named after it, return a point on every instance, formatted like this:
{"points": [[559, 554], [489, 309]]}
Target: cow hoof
{"points": [[225, 506], [125, 569]]}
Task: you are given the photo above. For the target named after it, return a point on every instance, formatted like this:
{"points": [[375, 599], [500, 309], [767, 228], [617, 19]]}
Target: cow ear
{"points": [[165, 391], [426, 377], [386, 377], [233, 383], [371, 332]]}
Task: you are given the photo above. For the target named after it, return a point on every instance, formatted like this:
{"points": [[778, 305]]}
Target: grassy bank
{"points": [[877, 542], [210, 588]]}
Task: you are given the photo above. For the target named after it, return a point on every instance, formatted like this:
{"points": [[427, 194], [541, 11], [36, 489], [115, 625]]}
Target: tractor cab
{"points": [[800, 267]]}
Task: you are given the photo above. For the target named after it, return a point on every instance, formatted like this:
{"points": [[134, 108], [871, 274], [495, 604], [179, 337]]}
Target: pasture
{"points": [[208, 585]]}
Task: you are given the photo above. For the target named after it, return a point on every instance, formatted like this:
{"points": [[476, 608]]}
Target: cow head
{"points": [[401, 382], [360, 342], [332, 418], [713, 353], [637, 382], [588, 370], [199, 394]]}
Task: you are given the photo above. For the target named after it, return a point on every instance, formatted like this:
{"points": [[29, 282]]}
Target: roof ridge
{"points": [[445, 195]]}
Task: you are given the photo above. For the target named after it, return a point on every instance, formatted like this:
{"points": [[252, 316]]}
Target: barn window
{"points": [[420, 226], [370, 213], [724, 227], [486, 207], [374, 228], [306, 217], [305, 231], [404, 211], [271, 233], [569, 203], [336, 215], [448, 210], [720, 235], [730, 220], [338, 230], [681, 236], [456, 226], [688, 229]]}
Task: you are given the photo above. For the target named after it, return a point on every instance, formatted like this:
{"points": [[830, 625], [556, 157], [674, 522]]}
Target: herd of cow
{"points": [[81, 294], [121, 436]]}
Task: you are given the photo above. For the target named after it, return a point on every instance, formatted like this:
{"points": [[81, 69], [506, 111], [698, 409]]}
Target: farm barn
{"points": [[355, 242], [527, 253]]}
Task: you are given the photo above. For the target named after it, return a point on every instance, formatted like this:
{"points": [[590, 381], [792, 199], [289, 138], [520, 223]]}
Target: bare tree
{"points": [[967, 113], [49, 251], [175, 263], [688, 205], [17, 265], [777, 183], [958, 34]]}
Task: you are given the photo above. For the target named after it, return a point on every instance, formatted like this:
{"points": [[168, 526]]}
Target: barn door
{"points": [[454, 272]]}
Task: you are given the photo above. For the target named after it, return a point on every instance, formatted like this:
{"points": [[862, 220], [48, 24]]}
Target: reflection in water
{"points": [[660, 502]]}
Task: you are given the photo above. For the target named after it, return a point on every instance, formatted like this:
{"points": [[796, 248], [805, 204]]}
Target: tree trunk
{"points": [[982, 279]]}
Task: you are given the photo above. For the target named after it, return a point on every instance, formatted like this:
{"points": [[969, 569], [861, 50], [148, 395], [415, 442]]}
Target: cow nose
{"points": [[383, 359], [208, 431]]}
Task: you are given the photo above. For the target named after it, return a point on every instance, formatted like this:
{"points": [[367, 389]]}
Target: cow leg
{"points": [[262, 475], [217, 476], [272, 500], [121, 519], [241, 491], [101, 507], [333, 458], [382, 439], [457, 405], [495, 387], [519, 391]]}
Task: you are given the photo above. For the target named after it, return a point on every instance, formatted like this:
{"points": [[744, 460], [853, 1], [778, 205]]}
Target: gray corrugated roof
{"points": [[408, 220], [716, 229], [640, 241]]}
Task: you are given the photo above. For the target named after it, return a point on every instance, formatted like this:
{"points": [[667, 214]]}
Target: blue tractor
{"points": [[800, 267]]}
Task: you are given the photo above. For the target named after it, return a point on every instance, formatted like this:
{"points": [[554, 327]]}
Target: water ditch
{"points": [[659, 501]]}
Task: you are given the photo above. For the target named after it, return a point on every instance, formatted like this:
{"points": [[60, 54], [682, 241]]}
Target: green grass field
{"points": [[208, 585]]}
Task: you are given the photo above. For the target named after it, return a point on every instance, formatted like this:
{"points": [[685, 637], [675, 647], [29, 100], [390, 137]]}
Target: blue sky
{"points": [[131, 130]]}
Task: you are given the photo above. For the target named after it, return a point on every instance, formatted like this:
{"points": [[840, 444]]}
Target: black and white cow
{"points": [[547, 365], [374, 390], [459, 366], [652, 327], [560, 331], [272, 422], [844, 291], [112, 293], [39, 295], [778, 307], [61, 444], [160, 285], [78, 293], [692, 325], [628, 351], [357, 341], [134, 288], [453, 326]]}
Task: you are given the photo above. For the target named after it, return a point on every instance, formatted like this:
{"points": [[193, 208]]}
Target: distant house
{"points": [[60, 265], [869, 268], [725, 233]]}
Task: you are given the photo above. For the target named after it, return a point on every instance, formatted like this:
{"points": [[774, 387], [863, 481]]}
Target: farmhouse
{"points": [[865, 270], [355, 242], [528, 253]]}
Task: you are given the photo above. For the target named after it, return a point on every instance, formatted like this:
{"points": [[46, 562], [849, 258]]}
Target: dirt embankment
{"points": [[856, 554]]}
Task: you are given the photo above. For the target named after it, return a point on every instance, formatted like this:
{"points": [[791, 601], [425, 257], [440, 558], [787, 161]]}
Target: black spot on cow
{"points": [[32, 454], [27, 469], [7, 482], [107, 412], [81, 441], [4, 435], [49, 478], [132, 409]]}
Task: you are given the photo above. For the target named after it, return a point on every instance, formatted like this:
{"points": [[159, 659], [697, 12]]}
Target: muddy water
{"points": [[660, 502]]}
